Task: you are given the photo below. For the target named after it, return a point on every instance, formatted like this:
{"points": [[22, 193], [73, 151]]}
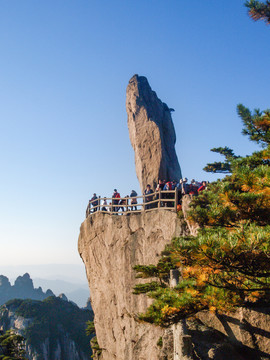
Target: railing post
{"points": [[176, 199], [98, 209], [159, 196]]}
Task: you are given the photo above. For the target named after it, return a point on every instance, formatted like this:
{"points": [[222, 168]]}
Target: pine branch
{"points": [[259, 10]]}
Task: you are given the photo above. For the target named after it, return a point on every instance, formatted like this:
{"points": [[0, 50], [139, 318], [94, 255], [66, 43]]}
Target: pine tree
{"points": [[259, 10], [227, 264], [12, 346], [222, 167]]}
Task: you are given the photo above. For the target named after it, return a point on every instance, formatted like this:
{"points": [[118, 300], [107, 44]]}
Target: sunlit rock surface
{"points": [[110, 246], [151, 133]]}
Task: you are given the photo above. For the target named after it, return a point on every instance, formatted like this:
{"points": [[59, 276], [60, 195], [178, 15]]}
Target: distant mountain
{"points": [[74, 273], [53, 328], [79, 293], [23, 288]]}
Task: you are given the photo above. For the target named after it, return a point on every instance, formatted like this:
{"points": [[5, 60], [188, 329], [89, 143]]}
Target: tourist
{"points": [[134, 202], [94, 202], [193, 189], [159, 188], [104, 205], [124, 202], [174, 185], [148, 197], [115, 200], [185, 187], [160, 185], [170, 186], [203, 187]]}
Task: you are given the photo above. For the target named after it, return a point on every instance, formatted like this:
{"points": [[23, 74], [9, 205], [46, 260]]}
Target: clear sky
{"points": [[64, 68]]}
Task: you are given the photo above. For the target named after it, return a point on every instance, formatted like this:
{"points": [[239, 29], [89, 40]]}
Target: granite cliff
{"points": [[151, 133], [111, 245]]}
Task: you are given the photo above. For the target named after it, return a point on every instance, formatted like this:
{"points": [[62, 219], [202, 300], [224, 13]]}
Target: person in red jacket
{"points": [[203, 187], [115, 200]]}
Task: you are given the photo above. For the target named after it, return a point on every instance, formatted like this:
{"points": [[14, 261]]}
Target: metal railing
{"points": [[166, 200]]}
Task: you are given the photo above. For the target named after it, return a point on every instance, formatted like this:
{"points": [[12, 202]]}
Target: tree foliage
{"points": [[90, 328], [52, 319], [259, 10], [256, 125], [222, 167], [227, 264], [12, 346]]}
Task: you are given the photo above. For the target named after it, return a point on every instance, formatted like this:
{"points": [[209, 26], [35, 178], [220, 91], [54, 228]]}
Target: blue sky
{"points": [[64, 68]]}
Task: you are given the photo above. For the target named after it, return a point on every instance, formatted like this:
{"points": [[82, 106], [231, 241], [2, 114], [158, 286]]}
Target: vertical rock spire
{"points": [[151, 133]]}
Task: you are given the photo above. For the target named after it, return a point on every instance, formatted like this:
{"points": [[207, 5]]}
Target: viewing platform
{"points": [[163, 199]]}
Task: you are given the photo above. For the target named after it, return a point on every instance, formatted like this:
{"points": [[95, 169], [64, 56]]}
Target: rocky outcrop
{"points": [[110, 246], [23, 288], [245, 334], [240, 335], [151, 133], [192, 226]]}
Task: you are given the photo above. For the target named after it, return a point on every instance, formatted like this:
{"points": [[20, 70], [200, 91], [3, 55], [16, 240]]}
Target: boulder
{"points": [[151, 133]]}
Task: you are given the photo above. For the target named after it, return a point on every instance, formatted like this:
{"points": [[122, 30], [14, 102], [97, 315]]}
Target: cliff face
{"points": [[110, 246], [151, 133]]}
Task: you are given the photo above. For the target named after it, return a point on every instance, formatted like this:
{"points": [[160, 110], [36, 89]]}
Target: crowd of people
{"points": [[126, 203], [151, 198], [183, 186]]}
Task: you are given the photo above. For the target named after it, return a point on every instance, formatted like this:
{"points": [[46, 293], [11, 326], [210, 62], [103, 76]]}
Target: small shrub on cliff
{"points": [[227, 264], [90, 328], [95, 347]]}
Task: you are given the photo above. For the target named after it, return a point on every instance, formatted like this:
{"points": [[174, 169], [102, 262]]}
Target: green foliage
{"points": [[90, 328], [145, 288], [242, 196], [222, 167], [161, 271], [160, 342], [256, 125], [144, 271], [52, 318], [95, 347], [227, 264], [259, 10], [12, 346]]}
